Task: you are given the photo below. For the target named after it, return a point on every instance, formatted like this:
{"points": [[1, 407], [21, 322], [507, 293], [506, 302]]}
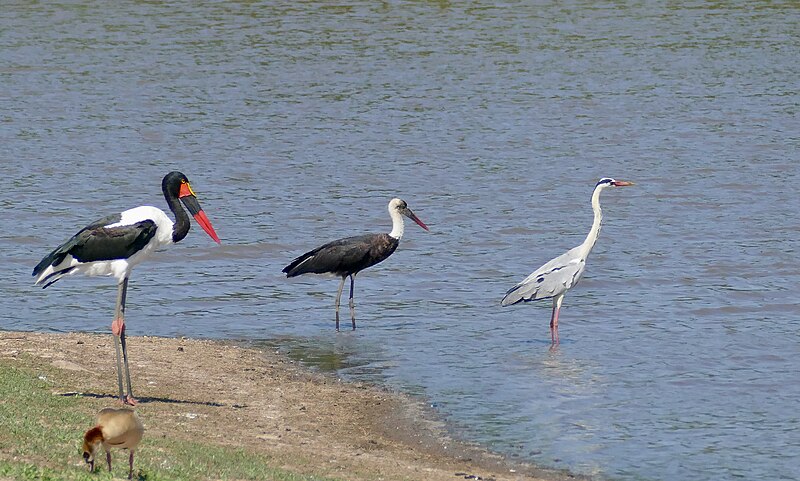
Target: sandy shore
{"points": [[261, 401]]}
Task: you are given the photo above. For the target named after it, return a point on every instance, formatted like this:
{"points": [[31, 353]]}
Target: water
{"points": [[297, 123]]}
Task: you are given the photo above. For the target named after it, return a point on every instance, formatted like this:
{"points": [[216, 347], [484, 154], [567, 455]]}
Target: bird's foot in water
{"points": [[118, 326], [554, 336]]}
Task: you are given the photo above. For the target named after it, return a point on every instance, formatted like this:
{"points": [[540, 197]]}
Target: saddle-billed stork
{"points": [[349, 256], [113, 245], [561, 274]]}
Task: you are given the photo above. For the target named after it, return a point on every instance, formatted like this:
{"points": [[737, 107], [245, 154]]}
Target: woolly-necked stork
{"points": [[112, 246], [349, 256], [561, 274]]}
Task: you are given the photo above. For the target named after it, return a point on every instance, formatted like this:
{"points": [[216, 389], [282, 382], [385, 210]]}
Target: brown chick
{"points": [[116, 428]]}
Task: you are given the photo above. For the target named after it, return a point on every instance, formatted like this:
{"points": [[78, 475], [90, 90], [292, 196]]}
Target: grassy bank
{"points": [[41, 433]]}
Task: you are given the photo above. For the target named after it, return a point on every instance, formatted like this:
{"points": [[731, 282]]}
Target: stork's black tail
{"points": [[297, 266], [47, 270]]}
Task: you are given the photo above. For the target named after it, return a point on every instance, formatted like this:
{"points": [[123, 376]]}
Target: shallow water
{"points": [[298, 122]]}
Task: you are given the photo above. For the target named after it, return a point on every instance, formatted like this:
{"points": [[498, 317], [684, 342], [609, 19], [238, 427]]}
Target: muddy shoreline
{"points": [[307, 421]]}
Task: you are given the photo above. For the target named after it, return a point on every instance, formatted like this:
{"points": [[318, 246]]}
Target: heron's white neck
{"points": [[594, 232], [398, 226]]}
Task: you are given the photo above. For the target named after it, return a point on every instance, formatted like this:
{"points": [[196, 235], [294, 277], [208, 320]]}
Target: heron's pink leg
{"points": [[554, 318], [554, 325]]}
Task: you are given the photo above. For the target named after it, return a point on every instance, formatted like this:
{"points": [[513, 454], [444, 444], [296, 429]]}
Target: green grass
{"points": [[41, 434]]}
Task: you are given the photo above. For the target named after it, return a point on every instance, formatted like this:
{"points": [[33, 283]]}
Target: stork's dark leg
{"points": [[118, 329], [352, 304], [108, 459], [129, 399], [338, 300]]}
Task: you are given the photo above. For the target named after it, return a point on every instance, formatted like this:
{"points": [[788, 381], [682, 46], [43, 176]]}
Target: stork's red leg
{"points": [[118, 330], [117, 327]]}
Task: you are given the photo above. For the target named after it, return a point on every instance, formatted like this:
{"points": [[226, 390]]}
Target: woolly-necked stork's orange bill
{"points": [[113, 245], [349, 256]]}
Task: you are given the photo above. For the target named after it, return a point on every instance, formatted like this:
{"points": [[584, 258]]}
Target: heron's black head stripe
{"points": [[605, 180]]}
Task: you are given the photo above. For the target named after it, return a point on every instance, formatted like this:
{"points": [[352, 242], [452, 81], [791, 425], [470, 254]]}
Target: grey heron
{"points": [[347, 257], [559, 275]]}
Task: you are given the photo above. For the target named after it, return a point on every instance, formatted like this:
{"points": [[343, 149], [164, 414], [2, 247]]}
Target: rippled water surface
{"points": [[297, 123]]}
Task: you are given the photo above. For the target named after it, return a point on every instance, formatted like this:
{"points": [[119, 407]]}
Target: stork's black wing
{"points": [[343, 256], [96, 242]]}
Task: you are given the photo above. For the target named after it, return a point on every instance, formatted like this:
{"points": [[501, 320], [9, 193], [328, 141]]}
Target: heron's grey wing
{"points": [[551, 279]]}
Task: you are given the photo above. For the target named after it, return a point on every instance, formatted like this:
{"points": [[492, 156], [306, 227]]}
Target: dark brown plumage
{"points": [[344, 257], [349, 256]]}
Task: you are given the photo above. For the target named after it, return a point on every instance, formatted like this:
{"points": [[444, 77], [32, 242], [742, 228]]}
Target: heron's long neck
{"points": [[181, 226], [594, 232], [398, 226]]}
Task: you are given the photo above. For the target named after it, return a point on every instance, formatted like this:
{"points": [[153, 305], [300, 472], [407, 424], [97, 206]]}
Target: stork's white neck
{"points": [[398, 226], [594, 232]]}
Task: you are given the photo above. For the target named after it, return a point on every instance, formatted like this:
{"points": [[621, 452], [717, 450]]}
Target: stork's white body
{"points": [[119, 268]]}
